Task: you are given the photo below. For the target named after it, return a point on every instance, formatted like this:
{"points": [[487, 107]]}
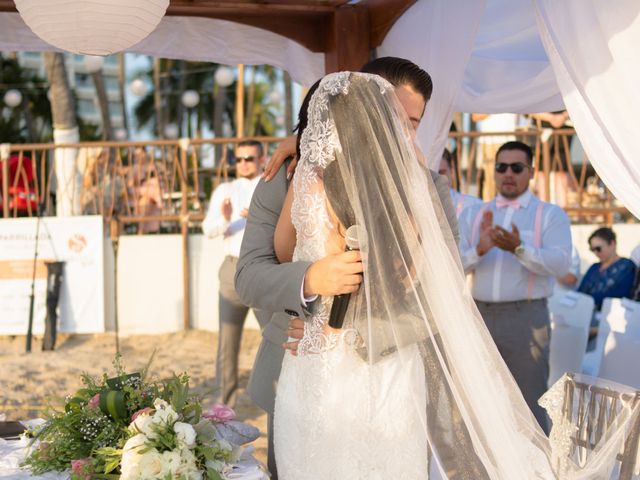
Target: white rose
{"points": [[151, 465], [185, 433], [164, 413], [143, 424], [173, 461], [131, 457], [159, 404], [189, 469]]}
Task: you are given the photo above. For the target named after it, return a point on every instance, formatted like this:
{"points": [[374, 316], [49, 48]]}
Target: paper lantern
{"points": [[93, 63], [171, 131], [98, 27], [12, 98], [120, 134], [190, 98], [274, 97], [224, 76], [139, 88]]}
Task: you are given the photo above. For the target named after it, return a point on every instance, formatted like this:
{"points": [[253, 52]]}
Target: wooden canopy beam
{"points": [[345, 31]]}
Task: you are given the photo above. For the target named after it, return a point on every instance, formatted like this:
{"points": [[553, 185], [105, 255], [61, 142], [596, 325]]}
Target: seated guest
{"points": [[612, 277]]}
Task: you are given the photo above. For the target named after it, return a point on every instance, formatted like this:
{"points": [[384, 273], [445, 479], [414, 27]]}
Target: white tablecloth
{"points": [[13, 453]]}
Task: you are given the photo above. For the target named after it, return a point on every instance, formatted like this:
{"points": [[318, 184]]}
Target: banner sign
{"points": [[77, 241]]}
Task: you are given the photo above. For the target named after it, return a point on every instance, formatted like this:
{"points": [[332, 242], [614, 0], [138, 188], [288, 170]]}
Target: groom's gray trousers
{"points": [[263, 283]]}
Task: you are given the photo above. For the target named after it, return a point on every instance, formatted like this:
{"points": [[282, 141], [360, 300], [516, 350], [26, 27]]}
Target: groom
{"points": [[285, 289]]}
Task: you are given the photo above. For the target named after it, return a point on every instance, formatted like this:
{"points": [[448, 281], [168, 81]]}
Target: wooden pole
{"points": [[240, 102], [184, 228]]}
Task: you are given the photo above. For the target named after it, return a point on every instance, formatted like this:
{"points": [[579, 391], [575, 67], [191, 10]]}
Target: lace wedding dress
{"points": [[337, 416]]}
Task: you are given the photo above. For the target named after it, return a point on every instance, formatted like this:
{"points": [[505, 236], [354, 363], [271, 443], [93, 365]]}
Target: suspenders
{"points": [[537, 237]]}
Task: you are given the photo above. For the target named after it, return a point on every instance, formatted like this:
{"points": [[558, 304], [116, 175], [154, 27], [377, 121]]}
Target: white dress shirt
{"points": [[461, 201], [239, 192], [500, 276]]}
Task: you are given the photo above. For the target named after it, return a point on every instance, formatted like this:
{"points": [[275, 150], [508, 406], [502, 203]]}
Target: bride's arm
{"points": [[284, 238]]}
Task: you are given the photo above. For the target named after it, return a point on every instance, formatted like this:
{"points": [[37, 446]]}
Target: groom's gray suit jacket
{"points": [[265, 284]]}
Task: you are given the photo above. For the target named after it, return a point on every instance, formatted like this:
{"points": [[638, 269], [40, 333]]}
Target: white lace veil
{"points": [[414, 290]]}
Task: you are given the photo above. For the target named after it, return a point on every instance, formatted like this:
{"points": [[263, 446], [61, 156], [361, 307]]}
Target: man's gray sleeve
{"points": [[442, 187], [261, 281]]}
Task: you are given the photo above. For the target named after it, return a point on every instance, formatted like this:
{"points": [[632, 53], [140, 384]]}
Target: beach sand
{"points": [[29, 381]]}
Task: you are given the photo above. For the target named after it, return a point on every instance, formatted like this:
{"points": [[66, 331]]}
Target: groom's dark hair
{"points": [[400, 71]]}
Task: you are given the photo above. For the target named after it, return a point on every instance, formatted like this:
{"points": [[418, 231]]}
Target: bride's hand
{"points": [[296, 331]]}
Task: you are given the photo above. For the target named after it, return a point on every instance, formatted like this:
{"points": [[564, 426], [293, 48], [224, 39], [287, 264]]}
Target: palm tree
{"points": [[65, 130], [31, 121], [174, 78]]}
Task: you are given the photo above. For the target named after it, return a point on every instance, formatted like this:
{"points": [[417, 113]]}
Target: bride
{"points": [[412, 383]]}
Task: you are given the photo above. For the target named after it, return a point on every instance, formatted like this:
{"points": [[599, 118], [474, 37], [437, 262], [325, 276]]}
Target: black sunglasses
{"points": [[248, 158], [516, 168], [596, 249]]}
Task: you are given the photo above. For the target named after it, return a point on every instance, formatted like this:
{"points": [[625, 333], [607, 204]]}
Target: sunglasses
{"points": [[596, 249], [516, 168], [248, 158]]}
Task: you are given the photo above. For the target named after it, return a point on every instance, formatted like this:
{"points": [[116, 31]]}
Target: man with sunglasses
{"points": [[227, 217], [514, 247]]}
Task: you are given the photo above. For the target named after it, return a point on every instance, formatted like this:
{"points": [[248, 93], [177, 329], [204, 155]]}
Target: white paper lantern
{"points": [[274, 97], [139, 88], [171, 131], [93, 63], [98, 27], [120, 134], [190, 98], [224, 76], [12, 98]]}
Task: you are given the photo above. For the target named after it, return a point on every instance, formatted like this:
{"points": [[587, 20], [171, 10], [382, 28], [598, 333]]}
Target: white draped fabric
{"points": [[439, 38], [594, 50], [522, 56], [198, 39]]}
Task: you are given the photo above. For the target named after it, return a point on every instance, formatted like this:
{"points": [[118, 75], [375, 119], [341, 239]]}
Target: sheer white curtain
{"points": [[594, 48], [439, 36], [198, 39]]}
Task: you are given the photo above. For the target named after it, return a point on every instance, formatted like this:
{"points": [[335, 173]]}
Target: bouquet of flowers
{"points": [[126, 427]]}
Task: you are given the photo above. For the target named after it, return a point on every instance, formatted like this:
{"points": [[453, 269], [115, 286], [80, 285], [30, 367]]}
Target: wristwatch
{"points": [[519, 250]]}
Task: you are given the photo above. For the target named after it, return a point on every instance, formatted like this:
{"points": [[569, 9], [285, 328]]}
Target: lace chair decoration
{"points": [[591, 416]]}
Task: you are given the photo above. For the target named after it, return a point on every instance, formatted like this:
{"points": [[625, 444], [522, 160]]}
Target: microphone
{"points": [[353, 236]]}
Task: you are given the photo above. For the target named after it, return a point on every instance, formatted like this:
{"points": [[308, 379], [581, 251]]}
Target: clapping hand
{"points": [[485, 240], [504, 239], [226, 209]]}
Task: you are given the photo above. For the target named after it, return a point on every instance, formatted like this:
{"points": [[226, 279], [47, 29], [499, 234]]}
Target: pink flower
{"points": [[43, 451], [94, 402], [220, 413], [142, 411], [82, 468]]}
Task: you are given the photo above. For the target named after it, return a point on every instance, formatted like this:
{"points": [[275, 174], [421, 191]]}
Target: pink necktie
{"points": [[504, 202]]}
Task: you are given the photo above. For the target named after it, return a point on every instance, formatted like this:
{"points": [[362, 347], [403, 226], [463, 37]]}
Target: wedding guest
{"points": [[611, 277], [514, 247], [227, 217]]}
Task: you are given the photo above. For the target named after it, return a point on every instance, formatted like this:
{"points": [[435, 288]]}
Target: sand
{"points": [[29, 380]]}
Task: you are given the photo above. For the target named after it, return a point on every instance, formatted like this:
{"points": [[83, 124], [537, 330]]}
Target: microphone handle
{"points": [[339, 310]]}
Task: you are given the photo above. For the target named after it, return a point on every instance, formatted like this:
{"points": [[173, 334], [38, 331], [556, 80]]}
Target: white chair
{"points": [[620, 316], [621, 350], [570, 318]]}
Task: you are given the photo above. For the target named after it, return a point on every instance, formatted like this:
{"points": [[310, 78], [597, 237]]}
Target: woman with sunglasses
{"points": [[611, 277]]}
